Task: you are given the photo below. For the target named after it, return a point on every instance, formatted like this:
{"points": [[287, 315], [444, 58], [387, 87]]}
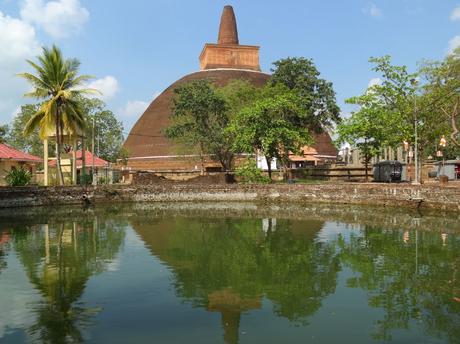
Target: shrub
{"points": [[86, 179], [18, 177], [104, 180], [250, 173]]}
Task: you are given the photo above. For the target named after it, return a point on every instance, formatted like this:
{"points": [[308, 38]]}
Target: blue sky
{"points": [[137, 48]]}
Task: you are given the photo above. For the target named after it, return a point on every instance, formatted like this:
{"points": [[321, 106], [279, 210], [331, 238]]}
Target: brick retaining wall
{"points": [[433, 196]]}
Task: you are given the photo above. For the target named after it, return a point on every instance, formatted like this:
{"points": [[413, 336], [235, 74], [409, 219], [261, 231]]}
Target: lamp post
{"points": [[414, 83]]}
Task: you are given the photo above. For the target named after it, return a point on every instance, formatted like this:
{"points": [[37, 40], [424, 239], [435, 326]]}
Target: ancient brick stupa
{"points": [[147, 145], [148, 148]]}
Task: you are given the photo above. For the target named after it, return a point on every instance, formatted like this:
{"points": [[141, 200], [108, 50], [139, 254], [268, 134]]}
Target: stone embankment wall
{"points": [[434, 196]]}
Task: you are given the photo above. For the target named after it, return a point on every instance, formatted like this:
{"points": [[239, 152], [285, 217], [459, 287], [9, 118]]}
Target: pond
{"points": [[228, 273]]}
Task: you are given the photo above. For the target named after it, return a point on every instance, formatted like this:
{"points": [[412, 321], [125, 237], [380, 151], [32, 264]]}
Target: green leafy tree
{"points": [[250, 173], [388, 112], [108, 130], [441, 94], [270, 126], [4, 129], [57, 81], [198, 113], [391, 103], [385, 116], [31, 143], [200, 117], [363, 131], [123, 156], [316, 94]]}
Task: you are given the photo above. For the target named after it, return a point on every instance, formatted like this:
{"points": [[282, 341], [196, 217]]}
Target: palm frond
{"points": [[38, 93], [33, 123]]}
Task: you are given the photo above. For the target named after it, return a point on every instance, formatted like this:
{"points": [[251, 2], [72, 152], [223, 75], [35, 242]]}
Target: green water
{"points": [[229, 273]]}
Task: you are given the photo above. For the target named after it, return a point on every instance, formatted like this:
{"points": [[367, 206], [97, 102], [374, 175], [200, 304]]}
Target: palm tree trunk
{"points": [[83, 161], [58, 150]]}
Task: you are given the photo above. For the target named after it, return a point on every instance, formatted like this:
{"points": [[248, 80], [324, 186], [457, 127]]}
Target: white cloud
{"points": [[18, 42], [455, 15], [134, 108], [372, 10], [108, 86], [453, 44], [59, 18], [374, 81]]}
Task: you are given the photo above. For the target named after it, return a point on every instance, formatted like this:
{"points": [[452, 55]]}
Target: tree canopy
{"points": [[270, 125], [108, 129], [388, 111], [201, 114], [4, 129], [317, 95]]}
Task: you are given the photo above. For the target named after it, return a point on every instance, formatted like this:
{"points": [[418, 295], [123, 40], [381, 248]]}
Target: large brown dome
{"points": [[220, 63], [147, 141]]}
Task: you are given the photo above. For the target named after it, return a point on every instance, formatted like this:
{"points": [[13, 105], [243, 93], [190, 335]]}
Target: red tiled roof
{"points": [[323, 147], [7, 152], [98, 162]]}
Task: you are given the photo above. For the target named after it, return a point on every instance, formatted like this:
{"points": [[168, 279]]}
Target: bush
{"points": [[18, 177], [250, 173], [103, 180], [86, 179]]}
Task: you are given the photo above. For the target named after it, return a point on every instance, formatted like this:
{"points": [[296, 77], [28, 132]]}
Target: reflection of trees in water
{"points": [[228, 266], [4, 246], [413, 276], [59, 259]]}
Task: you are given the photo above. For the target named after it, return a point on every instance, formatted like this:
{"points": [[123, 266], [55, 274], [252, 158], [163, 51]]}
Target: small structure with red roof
{"points": [[98, 162], [11, 158], [91, 161]]}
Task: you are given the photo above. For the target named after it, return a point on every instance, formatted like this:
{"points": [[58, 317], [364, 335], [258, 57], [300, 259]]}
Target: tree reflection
{"points": [[414, 276], [229, 266], [4, 246], [59, 259]]}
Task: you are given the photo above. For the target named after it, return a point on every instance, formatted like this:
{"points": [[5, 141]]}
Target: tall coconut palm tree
{"points": [[57, 82]]}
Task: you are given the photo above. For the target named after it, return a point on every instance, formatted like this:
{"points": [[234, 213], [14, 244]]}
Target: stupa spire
{"points": [[228, 53], [228, 31]]}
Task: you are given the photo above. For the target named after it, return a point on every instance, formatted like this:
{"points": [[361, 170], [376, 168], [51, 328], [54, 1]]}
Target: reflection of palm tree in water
{"points": [[228, 266], [59, 260], [4, 239]]}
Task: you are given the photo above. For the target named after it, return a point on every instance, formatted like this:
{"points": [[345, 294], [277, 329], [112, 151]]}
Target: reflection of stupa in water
{"points": [[164, 243], [230, 305], [210, 260]]}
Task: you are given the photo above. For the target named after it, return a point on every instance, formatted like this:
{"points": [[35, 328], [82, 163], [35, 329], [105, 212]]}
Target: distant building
{"points": [[102, 167], [11, 158], [321, 152], [220, 63]]}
